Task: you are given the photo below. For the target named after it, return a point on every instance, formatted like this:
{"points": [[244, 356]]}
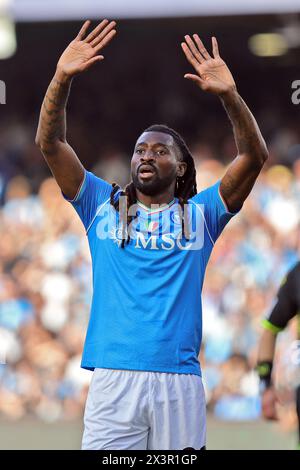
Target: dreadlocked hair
{"points": [[185, 188], [128, 201]]}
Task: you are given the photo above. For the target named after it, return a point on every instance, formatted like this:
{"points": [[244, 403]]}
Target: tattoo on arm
{"points": [[248, 138], [52, 123], [228, 186], [241, 175]]}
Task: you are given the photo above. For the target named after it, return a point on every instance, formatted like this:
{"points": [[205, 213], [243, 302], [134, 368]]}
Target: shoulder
{"points": [[207, 193], [95, 181], [210, 198], [93, 186]]}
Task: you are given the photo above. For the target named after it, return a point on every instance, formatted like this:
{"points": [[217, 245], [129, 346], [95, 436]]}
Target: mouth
{"points": [[146, 171]]}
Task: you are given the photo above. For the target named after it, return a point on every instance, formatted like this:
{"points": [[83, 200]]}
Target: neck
{"points": [[163, 198]]}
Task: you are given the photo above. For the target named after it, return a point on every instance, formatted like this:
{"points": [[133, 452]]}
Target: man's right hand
{"points": [[269, 401], [82, 52]]}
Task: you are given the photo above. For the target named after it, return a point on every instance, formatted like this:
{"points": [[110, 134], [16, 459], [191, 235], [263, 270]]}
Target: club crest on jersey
{"points": [[175, 217]]}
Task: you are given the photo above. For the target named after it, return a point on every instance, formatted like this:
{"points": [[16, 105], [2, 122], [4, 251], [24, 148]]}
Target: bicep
{"points": [[238, 181], [66, 168]]}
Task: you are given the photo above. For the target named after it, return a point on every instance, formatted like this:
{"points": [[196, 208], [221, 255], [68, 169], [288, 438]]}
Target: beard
{"points": [[154, 186]]}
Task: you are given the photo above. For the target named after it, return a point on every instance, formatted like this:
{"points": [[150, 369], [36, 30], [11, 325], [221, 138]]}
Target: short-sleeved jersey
{"points": [[146, 307]]}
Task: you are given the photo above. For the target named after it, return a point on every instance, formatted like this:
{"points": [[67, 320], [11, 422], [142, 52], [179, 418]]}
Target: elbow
{"points": [[41, 145], [261, 156], [37, 141], [264, 153], [47, 148], [256, 156], [261, 159]]}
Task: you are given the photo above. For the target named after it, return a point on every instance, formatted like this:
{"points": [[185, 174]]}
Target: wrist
{"points": [[229, 95], [62, 77], [264, 370]]}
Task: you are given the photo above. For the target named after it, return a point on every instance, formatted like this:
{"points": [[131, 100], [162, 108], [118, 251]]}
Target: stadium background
{"points": [[45, 275]]}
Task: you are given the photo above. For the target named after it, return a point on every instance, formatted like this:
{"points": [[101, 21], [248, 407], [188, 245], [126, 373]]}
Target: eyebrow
{"points": [[157, 144]]}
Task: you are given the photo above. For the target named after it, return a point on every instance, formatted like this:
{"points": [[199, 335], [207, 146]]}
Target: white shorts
{"points": [[137, 410]]}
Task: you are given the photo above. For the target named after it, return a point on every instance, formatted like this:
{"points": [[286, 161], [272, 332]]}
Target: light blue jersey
{"points": [[146, 309]]}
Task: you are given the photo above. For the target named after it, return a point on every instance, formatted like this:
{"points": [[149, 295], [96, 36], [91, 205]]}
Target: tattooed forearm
{"points": [[248, 138], [241, 174], [52, 122]]}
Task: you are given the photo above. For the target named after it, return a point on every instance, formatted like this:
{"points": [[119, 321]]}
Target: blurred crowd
{"points": [[45, 282]]}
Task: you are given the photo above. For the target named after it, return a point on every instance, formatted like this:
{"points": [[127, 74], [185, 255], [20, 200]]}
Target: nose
{"points": [[148, 156]]}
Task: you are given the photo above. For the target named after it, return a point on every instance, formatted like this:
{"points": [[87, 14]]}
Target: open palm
{"points": [[213, 75], [82, 52]]}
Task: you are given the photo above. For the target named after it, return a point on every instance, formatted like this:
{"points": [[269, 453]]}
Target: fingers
{"points": [[105, 40], [188, 54], [215, 47], [269, 401], [92, 61], [99, 37], [96, 31], [194, 49], [196, 79], [201, 47], [83, 30]]}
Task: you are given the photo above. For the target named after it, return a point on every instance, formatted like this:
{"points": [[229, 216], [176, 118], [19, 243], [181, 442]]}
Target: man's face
{"points": [[155, 163]]}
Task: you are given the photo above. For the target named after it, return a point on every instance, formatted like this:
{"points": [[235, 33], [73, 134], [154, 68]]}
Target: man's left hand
{"points": [[213, 75]]}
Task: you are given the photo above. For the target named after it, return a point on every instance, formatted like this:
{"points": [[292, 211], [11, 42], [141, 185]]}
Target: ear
{"points": [[181, 168]]}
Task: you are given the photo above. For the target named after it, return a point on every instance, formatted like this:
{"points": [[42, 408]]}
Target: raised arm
{"points": [[214, 76], [78, 57]]}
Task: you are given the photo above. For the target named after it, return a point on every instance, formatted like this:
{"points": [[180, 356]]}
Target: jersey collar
{"points": [[154, 211]]}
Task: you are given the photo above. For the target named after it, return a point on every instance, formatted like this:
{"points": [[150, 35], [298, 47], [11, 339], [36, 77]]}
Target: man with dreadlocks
{"points": [[150, 245]]}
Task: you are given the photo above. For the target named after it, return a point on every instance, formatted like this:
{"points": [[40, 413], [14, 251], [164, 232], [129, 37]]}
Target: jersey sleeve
{"points": [[285, 307], [215, 211], [92, 193]]}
